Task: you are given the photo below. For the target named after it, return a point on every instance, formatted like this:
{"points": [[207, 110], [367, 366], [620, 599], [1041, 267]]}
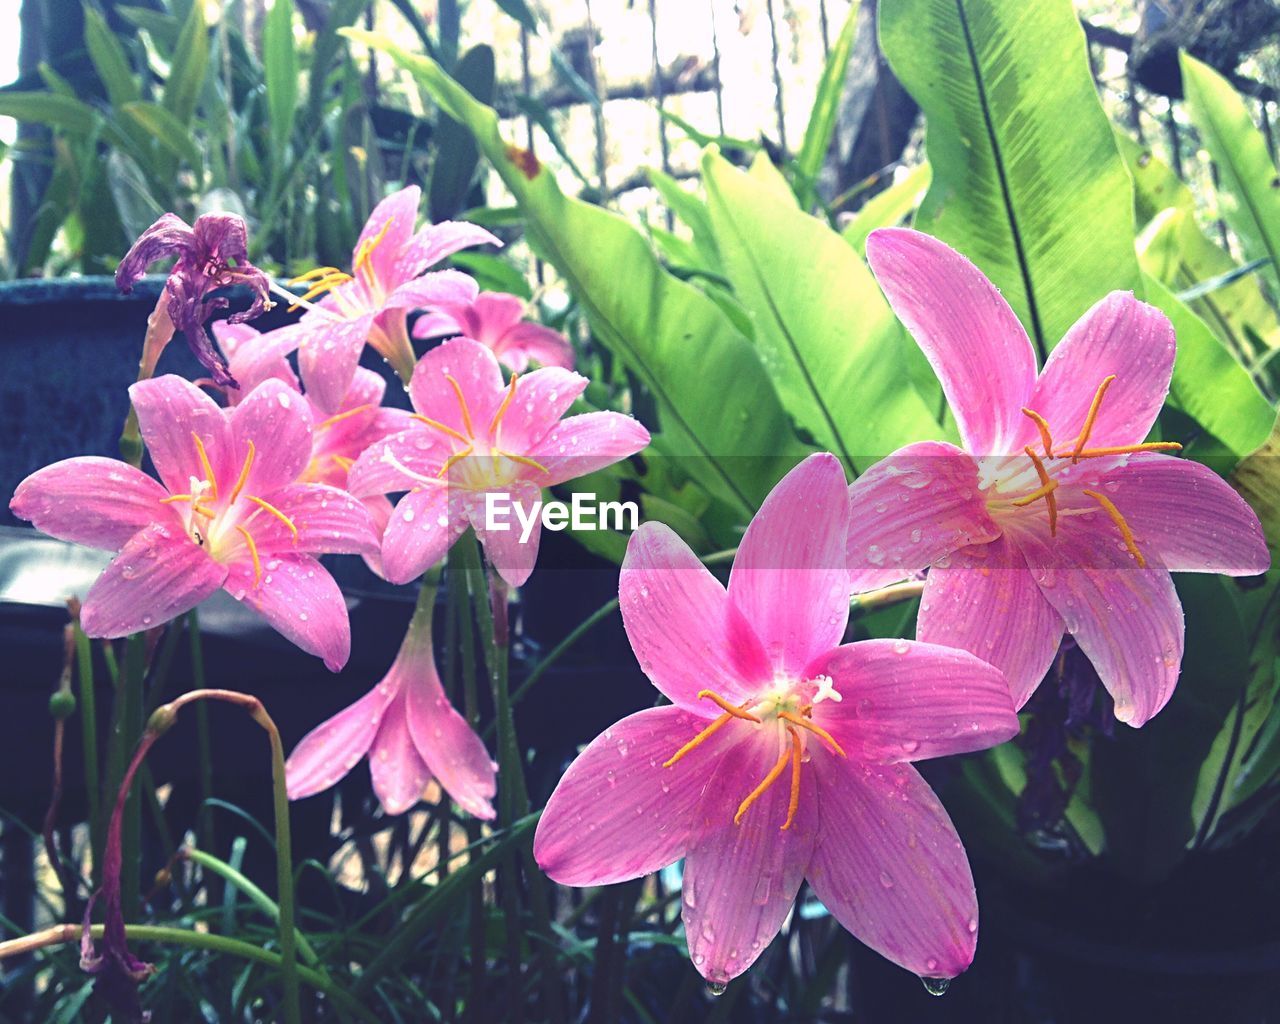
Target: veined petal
{"points": [[617, 813], [891, 868], [300, 600], [159, 574], [911, 509], [542, 397], [335, 746], [475, 371], [789, 578], [393, 219], [492, 315], [253, 357], [170, 410], [583, 444], [329, 354], [967, 331], [451, 286], [91, 500], [423, 526], [399, 773], [528, 341], [435, 242], [379, 514], [1189, 515], [441, 322], [1127, 620], [740, 880], [984, 600], [908, 701], [328, 520], [400, 462], [276, 420], [1119, 336], [512, 557], [686, 634]]}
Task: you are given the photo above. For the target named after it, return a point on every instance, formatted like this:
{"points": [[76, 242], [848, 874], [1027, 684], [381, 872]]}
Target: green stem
{"points": [[129, 727], [89, 737], [204, 742]]}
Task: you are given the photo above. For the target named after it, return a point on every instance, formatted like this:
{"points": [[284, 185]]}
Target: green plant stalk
{"points": [[204, 742], [129, 727], [89, 737]]}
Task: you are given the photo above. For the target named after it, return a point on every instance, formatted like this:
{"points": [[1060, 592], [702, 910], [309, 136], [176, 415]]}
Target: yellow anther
{"points": [[1109, 507], [1037, 494], [253, 553], [437, 425], [326, 424], [270, 509], [1092, 416], [203, 510], [1049, 497], [368, 245], [777, 769], [204, 464], [502, 409], [176, 497], [326, 283], [1129, 449], [1046, 438], [244, 474], [793, 804], [731, 709], [462, 404], [524, 460], [817, 730], [314, 273], [454, 458], [700, 739]]}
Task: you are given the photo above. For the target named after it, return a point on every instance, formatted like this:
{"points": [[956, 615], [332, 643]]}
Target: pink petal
{"points": [[511, 557], [970, 336], [379, 514], [439, 324], [91, 500], [476, 372], [329, 521], [891, 868], [435, 242], [492, 315], [401, 462], [330, 750], [789, 578], [1127, 620], [617, 813], [1119, 336], [452, 751], [277, 421], [299, 598], [740, 881], [905, 701], [329, 355], [422, 528], [541, 398], [583, 444], [542, 345], [170, 410], [399, 773], [686, 634], [253, 357], [397, 214], [159, 574], [440, 286], [985, 601], [1188, 515], [912, 508]]}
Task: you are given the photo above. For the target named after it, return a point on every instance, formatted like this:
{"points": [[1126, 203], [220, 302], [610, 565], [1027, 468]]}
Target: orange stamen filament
{"points": [[437, 425], [731, 709], [502, 409], [326, 424], [1092, 416], [524, 460], [777, 769], [700, 739], [1128, 449], [462, 404], [793, 804], [1127, 534], [272, 510], [313, 273], [1046, 437], [454, 458], [175, 497], [204, 464], [1049, 498], [368, 245], [325, 284], [244, 474], [1036, 495], [817, 730], [253, 553]]}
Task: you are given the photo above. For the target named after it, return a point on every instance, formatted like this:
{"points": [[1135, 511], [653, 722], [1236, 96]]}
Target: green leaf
{"points": [[888, 208], [166, 129], [692, 210], [1208, 384], [822, 327], [1250, 195], [109, 59], [187, 70], [716, 405], [1026, 179], [55, 111], [456, 156], [280, 67], [493, 273], [826, 105]]}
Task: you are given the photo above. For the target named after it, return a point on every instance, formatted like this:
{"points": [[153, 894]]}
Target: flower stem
{"points": [[89, 738], [130, 729]]}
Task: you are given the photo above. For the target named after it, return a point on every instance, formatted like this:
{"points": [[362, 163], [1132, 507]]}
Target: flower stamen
{"points": [[700, 739], [253, 553], [1045, 481], [453, 459], [326, 424], [502, 409], [817, 730], [368, 245], [1091, 417], [793, 804], [777, 769], [731, 709], [524, 460], [1046, 437], [204, 464], [1129, 449], [462, 404], [1109, 507], [244, 474], [437, 425], [1036, 495], [270, 509]]}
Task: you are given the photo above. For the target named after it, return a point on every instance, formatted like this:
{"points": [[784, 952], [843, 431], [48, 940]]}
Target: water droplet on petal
{"points": [[935, 986], [716, 988]]}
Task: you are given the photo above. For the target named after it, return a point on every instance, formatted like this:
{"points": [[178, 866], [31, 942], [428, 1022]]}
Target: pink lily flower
{"points": [[475, 436], [783, 756], [1055, 515], [372, 302], [410, 732], [227, 512], [496, 320]]}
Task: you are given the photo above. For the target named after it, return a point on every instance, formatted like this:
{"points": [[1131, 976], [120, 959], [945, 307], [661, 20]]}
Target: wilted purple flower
{"points": [[212, 255]]}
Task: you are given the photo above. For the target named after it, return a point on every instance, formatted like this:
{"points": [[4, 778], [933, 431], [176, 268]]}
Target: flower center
{"points": [[221, 525], [320, 280], [784, 711], [1021, 483]]}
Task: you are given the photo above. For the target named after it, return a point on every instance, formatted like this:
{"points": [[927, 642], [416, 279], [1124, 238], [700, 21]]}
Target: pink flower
{"points": [[784, 756], [476, 436], [1055, 516], [227, 512], [409, 730], [496, 320], [370, 304]]}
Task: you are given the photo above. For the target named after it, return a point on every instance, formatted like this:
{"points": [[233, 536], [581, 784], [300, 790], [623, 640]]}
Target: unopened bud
{"points": [[62, 704], [162, 719]]}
